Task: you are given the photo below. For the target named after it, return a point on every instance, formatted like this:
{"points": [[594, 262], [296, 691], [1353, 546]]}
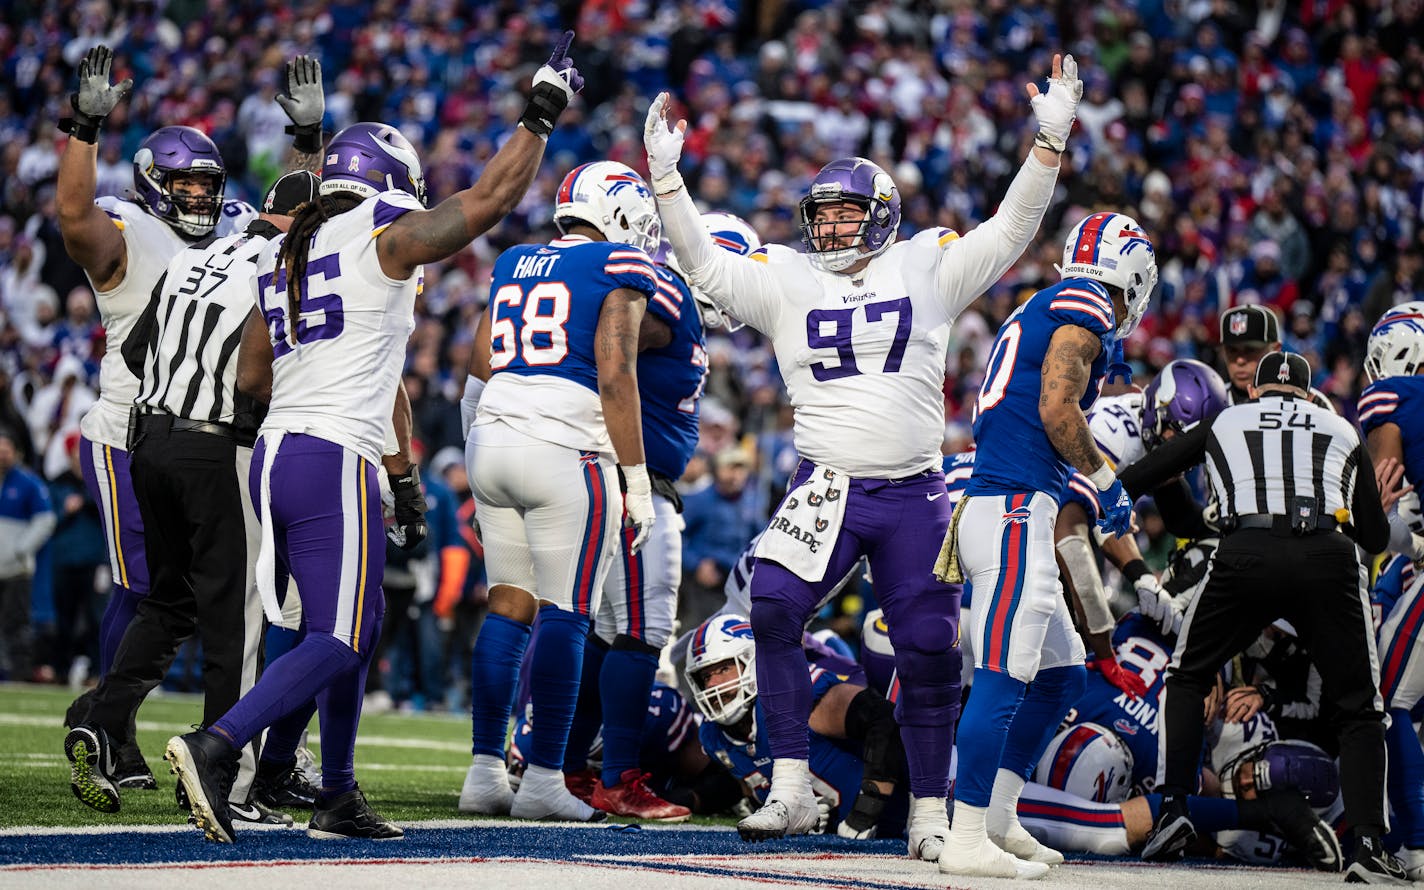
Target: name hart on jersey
{"points": [[1139, 710], [534, 266]]}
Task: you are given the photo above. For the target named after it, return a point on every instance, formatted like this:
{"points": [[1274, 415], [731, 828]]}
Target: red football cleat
{"points": [[581, 784], [632, 797]]}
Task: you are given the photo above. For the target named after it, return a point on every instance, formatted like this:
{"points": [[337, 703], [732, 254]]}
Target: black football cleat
{"points": [[91, 771], [206, 765], [348, 815], [1172, 833], [282, 787], [1373, 864]]}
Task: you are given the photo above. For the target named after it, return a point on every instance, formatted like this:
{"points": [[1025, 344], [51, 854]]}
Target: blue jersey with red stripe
{"points": [[1395, 575], [1142, 649], [545, 301], [958, 470], [836, 765], [1014, 451], [670, 378], [1080, 490], [1400, 401]]}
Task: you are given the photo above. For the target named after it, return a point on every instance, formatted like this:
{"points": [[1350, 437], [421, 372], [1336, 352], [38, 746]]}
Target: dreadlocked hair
{"points": [[296, 247]]}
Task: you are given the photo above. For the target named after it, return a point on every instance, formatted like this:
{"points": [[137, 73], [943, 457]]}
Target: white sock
{"points": [[541, 779], [967, 829], [1002, 814], [488, 762], [929, 811], [789, 776]]}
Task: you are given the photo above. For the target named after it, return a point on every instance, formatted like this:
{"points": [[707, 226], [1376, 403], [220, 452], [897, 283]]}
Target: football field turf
{"points": [[411, 766]]}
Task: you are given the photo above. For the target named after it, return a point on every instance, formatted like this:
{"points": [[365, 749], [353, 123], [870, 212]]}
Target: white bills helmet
{"points": [[612, 198], [1087, 760], [719, 639], [1113, 248]]}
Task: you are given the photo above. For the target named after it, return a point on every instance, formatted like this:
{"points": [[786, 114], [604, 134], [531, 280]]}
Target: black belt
{"points": [[147, 416], [1282, 525]]}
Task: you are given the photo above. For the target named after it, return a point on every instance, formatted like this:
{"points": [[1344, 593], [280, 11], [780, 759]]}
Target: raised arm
{"points": [[982, 256], [305, 105], [427, 236], [90, 237], [742, 285]]}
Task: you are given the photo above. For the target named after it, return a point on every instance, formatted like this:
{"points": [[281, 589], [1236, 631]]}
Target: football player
{"points": [[639, 604], [860, 324], [557, 425], [336, 302], [1047, 363]]}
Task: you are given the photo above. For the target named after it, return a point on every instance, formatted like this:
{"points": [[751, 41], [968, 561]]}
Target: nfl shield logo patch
{"points": [[1238, 324]]}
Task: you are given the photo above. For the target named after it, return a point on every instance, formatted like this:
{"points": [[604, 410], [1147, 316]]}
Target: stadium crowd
{"points": [[1274, 152]]}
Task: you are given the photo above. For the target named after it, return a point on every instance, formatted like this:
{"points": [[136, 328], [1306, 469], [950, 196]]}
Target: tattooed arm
{"points": [[616, 346], [429, 235], [1065, 381]]}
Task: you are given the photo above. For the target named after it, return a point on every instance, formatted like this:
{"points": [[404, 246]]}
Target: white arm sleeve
{"points": [[742, 286], [973, 262], [470, 403], [1077, 556]]}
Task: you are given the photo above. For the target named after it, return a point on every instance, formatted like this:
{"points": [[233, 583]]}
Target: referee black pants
{"points": [[198, 528], [1316, 583]]}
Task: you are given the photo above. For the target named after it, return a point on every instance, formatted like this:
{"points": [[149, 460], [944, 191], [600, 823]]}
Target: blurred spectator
{"points": [[26, 521], [719, 521]]}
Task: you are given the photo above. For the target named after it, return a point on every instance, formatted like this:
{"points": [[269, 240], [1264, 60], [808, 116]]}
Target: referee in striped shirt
{"points": [[191, 434], [1290, 477]]}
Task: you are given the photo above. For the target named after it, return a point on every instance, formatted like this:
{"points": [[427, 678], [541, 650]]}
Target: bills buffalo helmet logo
{"points": [[1018, 515], [1126, 727], [1238, 324]]}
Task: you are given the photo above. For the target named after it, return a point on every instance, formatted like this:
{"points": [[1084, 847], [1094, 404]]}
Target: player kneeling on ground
{"points": [[857, 761]]}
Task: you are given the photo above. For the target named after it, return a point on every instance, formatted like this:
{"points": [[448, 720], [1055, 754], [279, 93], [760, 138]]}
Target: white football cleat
{"points": [[1018, 843], [543, 796], [780, 816], [928, 828], [987, 861], [486, 790], [1412, 859]]}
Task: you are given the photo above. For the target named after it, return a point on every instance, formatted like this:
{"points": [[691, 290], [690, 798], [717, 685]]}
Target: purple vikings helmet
{"points": [[170, 151], [862, 183], [1184, 394], [367, 159]]}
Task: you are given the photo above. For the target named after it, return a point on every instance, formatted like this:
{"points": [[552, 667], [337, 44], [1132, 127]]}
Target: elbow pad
{"points": [[1077, 556]]}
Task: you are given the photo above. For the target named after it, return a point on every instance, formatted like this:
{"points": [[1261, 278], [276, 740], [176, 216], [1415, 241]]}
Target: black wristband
{"points": [[306, 140], [1135, 569], [81, 126], [546, 103]]}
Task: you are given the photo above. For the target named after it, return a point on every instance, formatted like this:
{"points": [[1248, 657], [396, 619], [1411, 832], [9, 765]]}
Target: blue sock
{"points": [[1406, 779], [278, 642], [983, 733], [588, 715], [554, 677], [1208, 814], [1049, 697], [627, 681], [494, 673], [287, 685], [123, 603]]}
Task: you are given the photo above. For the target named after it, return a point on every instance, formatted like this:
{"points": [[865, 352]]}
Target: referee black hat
{"points": [[290, 192], [1285, 369], [1250, 324]]}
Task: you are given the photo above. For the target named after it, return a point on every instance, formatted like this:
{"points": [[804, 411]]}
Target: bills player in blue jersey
{"points": [[336, 302], [558, 422], [635, 619], [856, 762], [1047, 365]]}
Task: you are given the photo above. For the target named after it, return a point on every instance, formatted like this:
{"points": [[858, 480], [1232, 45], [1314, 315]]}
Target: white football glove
{"points": [[1056, 109], [1157, 604], [823, 815], [664, 144], [638, 502]]}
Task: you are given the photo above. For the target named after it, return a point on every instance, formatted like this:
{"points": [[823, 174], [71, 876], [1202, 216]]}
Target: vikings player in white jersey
{"points": [[860, 324], [337, 298], [123, 247]]}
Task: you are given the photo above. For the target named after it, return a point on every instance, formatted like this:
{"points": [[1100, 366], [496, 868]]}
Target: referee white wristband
{"points": [[1103, 477]]}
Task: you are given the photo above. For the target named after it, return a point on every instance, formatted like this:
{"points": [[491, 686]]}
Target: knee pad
{"points": [[929, 686]]}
